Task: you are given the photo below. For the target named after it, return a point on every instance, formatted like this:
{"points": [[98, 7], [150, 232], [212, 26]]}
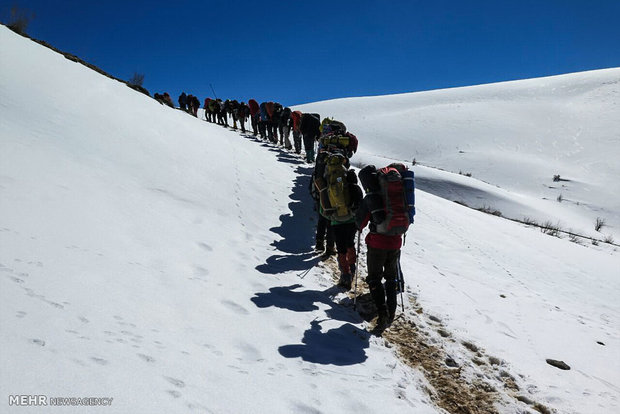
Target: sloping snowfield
{"points": [[165, 262], [515, 137]]}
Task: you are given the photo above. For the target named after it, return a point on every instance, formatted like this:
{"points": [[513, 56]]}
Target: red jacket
{"points": [[381, 241], [376, 240]]}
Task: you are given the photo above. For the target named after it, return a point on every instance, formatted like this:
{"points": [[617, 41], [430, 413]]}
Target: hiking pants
{"points": [[254, 119], [273, 132], [324, 232], [309, 146], [345, 245], [345, 236], [285, 133], [262, 127], [297, 141], [383, 264]]}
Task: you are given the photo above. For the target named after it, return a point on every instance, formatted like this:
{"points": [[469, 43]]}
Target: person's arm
{"points": [[362, 215]]}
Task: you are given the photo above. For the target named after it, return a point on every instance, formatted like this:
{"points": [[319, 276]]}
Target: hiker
{"points": [[269, 123], [223, 112], [254, 115], [324, 236], [190, 104], [309, 128], [183, 101], [242, 114], [388, 211], [195, 105], [275, 121], [207, 112], [214, 110], [344, 232], [168, 100], [233, 107], [285, 128], [296, 121], [263, 120]]}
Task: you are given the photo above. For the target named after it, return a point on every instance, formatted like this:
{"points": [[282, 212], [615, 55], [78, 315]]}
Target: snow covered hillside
{"points": [[513, 138], [165, 262]]}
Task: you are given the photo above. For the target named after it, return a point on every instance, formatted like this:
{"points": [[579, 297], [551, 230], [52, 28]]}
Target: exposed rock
{"points": [[558, 364]]}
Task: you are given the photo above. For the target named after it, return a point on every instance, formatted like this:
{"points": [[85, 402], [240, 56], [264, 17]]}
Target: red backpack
{"points": [[392, 190]]}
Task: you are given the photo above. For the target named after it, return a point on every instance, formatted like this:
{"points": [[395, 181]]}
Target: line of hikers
{"points": [[343, 211], [388, 206], [269, 120]]}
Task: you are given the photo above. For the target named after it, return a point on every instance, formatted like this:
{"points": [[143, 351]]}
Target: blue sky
{"points": [[304, 51]]}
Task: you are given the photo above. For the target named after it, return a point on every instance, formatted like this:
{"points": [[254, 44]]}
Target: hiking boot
{"points": [[390, 317], [330, 251], [382, 322], [345, 281], [320, 246]]}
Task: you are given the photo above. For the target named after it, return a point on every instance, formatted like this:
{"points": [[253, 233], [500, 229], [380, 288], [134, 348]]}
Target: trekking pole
{"points": [[213, 90], [357, 260], [401, 285]]}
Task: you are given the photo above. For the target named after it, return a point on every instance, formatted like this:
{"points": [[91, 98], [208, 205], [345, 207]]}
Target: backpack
{"points": [[390, 197], [345, 141], [329, 125], [286, 114], [333, 186]]}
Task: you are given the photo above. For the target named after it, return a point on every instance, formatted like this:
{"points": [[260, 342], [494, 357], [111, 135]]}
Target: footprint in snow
{"points": [[176, 382], [147, 358], [174, 393], [235, 307], [99, 361]]}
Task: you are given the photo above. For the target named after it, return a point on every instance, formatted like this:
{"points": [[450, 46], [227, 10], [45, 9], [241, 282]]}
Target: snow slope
{"points": [[513, 135], [165, 262]]}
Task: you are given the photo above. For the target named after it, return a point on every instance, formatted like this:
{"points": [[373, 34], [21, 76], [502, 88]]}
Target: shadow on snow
{"points": [[344, 345], [296, 229], [287, 297], [339, 346]]}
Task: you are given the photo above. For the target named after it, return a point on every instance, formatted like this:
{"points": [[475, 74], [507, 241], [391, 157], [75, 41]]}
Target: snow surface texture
{"points": [[148, 256]]}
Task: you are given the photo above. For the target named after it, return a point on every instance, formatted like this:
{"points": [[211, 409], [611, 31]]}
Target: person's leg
{"points": [[297, 141], [308, 145], [254, 119], [330, 240], [390, 274], [287, 142], [350, 241], [375, 260], [340, 234], [321, 228]]}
